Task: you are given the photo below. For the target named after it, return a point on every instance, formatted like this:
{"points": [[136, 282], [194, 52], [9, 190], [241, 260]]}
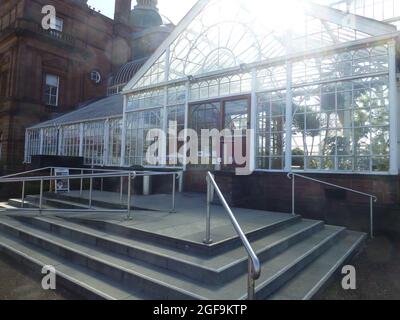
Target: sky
{"points": [[175, 10]]}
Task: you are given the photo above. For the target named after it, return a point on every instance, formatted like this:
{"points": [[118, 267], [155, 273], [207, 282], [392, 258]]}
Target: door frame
{"points": [[222, 101]]}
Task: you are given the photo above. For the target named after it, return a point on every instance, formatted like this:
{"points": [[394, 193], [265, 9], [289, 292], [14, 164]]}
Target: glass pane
{"points": [[236, 114], [52, 80], [227, 34], [206, 116]]}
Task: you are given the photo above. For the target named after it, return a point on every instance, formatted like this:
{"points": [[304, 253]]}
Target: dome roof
{"points": [[145, 17]]}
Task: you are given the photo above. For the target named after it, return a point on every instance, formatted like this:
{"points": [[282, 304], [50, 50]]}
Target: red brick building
{"points": [[46, 73]]}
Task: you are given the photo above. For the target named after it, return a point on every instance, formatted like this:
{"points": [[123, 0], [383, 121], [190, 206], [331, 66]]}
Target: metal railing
{"points": [[84, 174], [371, 197], [254, 266]]}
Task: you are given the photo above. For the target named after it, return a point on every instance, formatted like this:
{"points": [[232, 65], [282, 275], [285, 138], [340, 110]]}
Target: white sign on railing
{"points": [[62, 185]]}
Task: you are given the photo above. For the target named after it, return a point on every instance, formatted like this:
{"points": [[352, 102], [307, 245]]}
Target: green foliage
{"points": [[309, 120]]}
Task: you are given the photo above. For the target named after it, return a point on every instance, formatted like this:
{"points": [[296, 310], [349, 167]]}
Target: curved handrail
{"points": [[291, 174], [255, 262]]}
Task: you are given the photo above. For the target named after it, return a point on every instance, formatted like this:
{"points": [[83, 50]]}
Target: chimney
{"points": [[122, 11]]}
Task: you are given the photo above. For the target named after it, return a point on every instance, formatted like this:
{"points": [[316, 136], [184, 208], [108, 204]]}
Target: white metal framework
{"points": [[322, 93]]}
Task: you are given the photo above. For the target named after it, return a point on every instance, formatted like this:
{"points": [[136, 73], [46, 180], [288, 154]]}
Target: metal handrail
{"points": [[66, 177], [103, 174], [26, 172], [52, 168], [254, 266], [373, 198]]}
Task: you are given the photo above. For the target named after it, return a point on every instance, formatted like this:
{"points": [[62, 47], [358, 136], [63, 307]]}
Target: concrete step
{"points": [[83, 201], [28, 204], [6, 206], [215, 248], [80, 280], [17, 203], [312, 279], [56, 203], [212, 269], [164, 284]]}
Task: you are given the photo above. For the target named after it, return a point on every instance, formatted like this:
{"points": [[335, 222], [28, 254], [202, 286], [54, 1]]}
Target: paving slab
{"points": [[187, 223]]}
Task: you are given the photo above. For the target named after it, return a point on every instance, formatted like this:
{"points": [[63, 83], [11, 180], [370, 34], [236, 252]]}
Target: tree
{"points": [[307, 124]]}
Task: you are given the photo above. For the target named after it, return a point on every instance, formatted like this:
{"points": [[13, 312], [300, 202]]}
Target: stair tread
{"points": [[85, 277], [33, 199], [232, 290], [217, 262], [5, 205], [222, 230], [312, 278], [28, 204]]}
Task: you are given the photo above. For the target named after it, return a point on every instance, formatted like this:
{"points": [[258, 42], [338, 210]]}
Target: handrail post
{"points": [[121, 189], [91, 193], [293, 195], [173, 193], [129, 197], [208, 239], [50, 182], [251, 285], [81, 188], [371, 203], [41, 197], [23, 195]]}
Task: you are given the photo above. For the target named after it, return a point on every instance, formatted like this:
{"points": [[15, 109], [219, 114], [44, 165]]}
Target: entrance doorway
{"points": [[232, 114]]}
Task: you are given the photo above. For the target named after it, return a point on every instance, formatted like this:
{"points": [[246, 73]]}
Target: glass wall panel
{"points": [[33, 144], [115, 138], [155, 74], [342, 126], [220, 87], [71, 140], [350, 63], [146, 99], [271, 78], [176, 123], [270, 130], [176, 94], [50, 141], [93, 143], [374, 9], [138, 124]]}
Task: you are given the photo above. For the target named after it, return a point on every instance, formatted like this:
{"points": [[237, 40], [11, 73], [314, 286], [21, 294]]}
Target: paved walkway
{"points": [[20, 283], [188, 223]]}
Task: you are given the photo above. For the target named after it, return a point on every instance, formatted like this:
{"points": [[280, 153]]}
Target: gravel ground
{"points": [[378, 274], [17, 284]]}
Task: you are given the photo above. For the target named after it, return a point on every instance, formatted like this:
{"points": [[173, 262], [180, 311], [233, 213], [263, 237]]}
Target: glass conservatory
{"points": [[316, 83]]}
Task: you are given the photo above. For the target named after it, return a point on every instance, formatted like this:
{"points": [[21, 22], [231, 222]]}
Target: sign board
{"points": [[62, 185]]}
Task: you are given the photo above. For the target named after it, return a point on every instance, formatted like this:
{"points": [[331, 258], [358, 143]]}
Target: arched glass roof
{"points": [[126, 72], [220, 34]]}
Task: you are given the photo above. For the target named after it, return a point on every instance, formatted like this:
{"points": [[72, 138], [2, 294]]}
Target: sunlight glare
{"points": [[279, 15]]}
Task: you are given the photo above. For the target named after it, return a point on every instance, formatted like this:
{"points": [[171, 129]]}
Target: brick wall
{"points": [[272, 192]]}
